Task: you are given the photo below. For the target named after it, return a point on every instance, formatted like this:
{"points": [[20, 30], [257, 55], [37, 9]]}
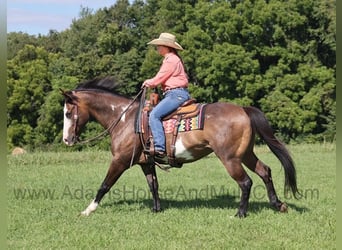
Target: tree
{"points": [[16, 41], [27, 90]]}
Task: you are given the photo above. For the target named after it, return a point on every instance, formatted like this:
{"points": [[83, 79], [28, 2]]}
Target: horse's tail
{"points": [[261, 125]]}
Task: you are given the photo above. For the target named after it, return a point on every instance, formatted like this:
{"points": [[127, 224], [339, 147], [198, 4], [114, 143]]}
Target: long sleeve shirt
{"points": [[170, 75]]}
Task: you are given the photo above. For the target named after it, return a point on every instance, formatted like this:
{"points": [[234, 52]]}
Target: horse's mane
{"points": [[107, 84]]}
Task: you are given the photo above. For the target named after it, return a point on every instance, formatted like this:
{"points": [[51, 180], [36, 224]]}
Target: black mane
{"points": [[107, 84]]}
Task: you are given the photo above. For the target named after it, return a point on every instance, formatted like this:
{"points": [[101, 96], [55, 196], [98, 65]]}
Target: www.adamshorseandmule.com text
{"points": [[133, 192]]}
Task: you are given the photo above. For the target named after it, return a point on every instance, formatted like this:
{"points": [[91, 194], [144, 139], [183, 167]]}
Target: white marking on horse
{"points": [[181, 150], [91, 208], [124, 109], [66, 126], [113, 107]]}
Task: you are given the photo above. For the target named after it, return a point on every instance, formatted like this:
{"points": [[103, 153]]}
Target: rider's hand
{"points": [[145, 84]]}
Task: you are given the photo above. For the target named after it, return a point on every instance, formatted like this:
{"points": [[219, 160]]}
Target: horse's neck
{"points": [[108, 109]]}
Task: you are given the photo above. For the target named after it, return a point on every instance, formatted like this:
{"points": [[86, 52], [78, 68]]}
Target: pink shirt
{"points": [[171, 74]]}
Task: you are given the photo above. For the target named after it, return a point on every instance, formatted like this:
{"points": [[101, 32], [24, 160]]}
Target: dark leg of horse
{"points": [[245, 186], [237, 172], [261, 169], [151, 177], [114, 172]]}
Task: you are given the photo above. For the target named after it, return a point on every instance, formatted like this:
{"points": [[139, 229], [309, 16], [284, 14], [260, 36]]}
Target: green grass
{"points": [[199, 201]]}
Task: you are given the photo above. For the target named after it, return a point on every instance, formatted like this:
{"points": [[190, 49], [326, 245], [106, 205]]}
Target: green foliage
{"points": [[50, 120], [26, 91], [275, 55], [16, 41]]}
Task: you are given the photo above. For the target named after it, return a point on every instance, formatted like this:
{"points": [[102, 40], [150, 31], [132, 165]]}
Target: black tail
{"points": [[261, 125]]}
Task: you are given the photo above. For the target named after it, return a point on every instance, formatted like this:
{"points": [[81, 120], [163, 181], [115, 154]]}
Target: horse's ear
{"points": [[69, 97], [62, 91]]}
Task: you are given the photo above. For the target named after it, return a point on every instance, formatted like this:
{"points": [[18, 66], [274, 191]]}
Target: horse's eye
{"points": [[68, 115]]}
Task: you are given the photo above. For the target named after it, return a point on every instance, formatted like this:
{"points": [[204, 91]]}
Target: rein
{"points": [[113, 124]]}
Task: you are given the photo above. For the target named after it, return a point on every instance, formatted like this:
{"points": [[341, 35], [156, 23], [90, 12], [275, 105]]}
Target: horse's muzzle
{"points": [[70, 141]]}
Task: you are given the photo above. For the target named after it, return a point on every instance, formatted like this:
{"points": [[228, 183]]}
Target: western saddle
{"points": [[187, 110]]}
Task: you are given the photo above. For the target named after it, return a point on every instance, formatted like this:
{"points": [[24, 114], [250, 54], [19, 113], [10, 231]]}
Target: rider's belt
{"points": [[168, 89]]}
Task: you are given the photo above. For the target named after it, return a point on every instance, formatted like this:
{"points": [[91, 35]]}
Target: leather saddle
{"points": [[187, 110]]}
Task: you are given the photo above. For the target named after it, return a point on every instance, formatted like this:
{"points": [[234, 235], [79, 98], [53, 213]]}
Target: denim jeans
{"points": [[171, 101]]}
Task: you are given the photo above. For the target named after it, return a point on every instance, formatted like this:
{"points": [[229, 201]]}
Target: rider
{"points": [[174, 83]]}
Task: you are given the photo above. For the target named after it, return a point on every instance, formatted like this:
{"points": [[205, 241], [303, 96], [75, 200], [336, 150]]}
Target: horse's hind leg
{"points": [[262, 170], [236, 171], [151, 177]]}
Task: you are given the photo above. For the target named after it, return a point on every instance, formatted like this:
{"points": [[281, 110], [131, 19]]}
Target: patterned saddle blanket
{"points": [[188, 123]]}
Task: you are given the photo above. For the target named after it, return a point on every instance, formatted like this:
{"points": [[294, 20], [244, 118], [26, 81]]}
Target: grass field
{"points": [[47, 191]]}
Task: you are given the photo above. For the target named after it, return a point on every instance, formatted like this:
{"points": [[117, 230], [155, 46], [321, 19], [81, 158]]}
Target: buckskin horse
{"points": [[229, 131]]}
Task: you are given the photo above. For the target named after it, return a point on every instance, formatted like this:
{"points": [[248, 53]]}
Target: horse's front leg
{"points": [[151, 177], [114, 172]]}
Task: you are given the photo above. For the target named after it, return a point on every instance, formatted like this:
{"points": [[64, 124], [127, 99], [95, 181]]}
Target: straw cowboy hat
{"points": [[166, 39]]}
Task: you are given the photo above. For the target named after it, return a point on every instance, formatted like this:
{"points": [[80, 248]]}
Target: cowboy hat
{"points": [[166, 39]]}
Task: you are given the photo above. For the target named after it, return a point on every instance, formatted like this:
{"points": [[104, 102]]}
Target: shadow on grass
{"points": [[217, 202]]}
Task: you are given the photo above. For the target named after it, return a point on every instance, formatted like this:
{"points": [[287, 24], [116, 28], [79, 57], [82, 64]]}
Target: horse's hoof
{"points": [[84, 214], [155, 210], [241, 215], [283, 208]]}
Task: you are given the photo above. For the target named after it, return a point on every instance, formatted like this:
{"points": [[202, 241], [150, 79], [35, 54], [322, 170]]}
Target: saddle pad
{"points": [[188, 124]]}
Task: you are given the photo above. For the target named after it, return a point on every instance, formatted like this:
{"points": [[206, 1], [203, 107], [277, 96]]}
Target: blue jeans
{"points": [[171, 101]]}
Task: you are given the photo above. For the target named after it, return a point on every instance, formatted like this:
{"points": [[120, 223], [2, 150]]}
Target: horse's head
{"points": [[75, 117]]}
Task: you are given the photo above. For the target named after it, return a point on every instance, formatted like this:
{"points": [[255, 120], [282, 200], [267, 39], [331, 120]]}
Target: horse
{"points": [[229, 131]]}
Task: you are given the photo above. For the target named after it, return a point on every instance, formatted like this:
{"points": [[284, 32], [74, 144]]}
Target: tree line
{"points": [[279, 56]]}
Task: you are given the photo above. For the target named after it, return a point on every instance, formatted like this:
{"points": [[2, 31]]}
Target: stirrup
{"points": [[163, 159]]}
